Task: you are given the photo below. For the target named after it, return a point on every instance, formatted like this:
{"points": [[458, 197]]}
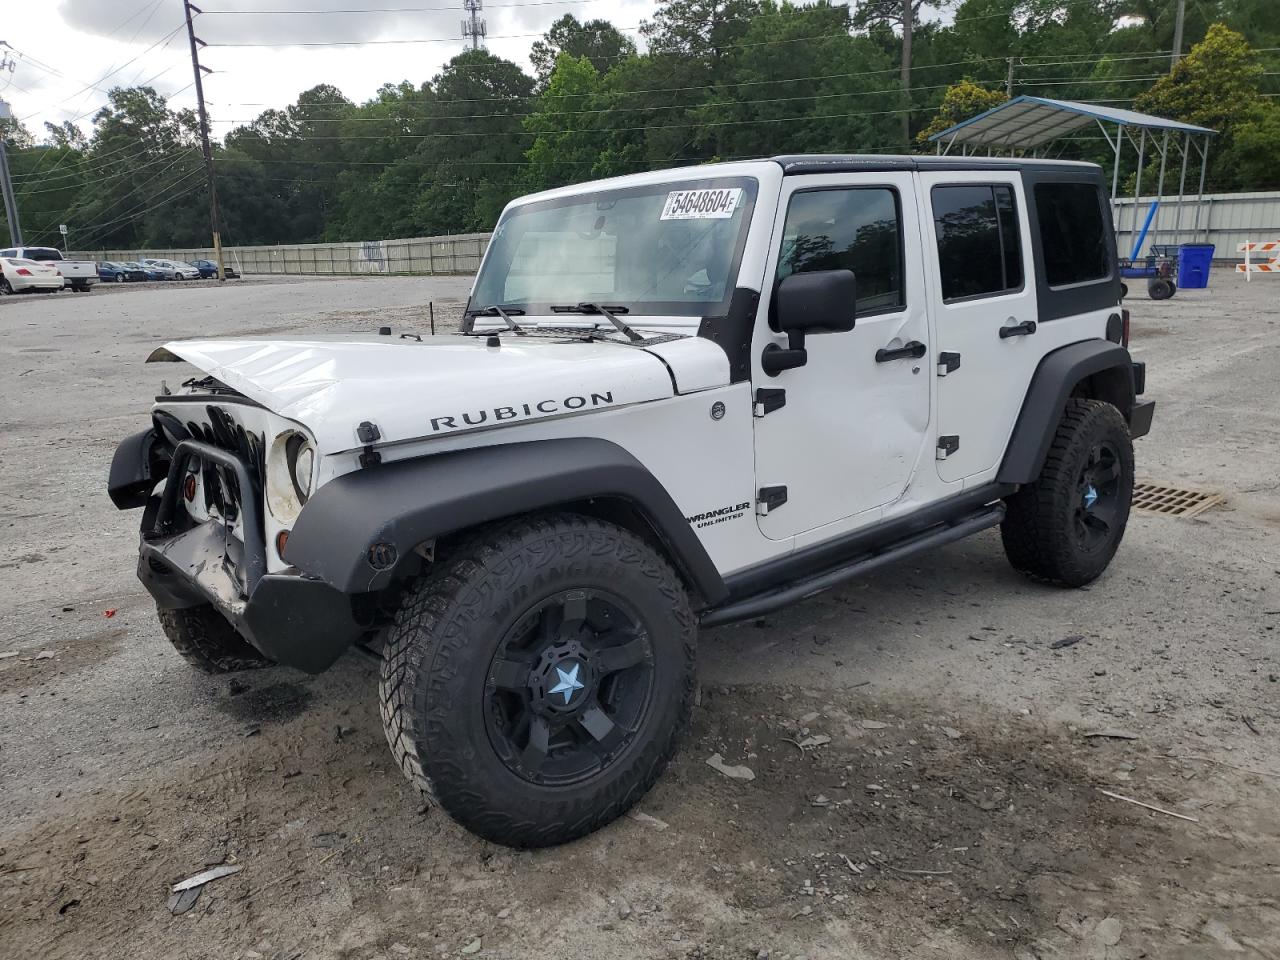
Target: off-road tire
{"points": [[205, 639], [439, 652], [1038, 529]]}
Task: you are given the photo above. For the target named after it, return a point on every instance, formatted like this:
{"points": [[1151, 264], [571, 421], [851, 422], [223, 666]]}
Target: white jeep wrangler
{"points": [[679, 399]]}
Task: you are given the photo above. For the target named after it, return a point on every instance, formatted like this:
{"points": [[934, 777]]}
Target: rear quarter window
{"points": [[1072, 233]]}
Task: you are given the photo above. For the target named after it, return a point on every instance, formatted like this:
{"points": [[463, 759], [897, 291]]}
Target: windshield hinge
{"points": [[768, 400], [369, 434]]}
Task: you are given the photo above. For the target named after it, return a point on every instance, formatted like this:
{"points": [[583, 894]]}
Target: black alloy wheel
{"points": [[1066, 525], [1098, 491], [537, 679], [569, 687]]}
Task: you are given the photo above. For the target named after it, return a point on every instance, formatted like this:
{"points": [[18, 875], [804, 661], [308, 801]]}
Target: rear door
{"points": [[984, 297], [855, 417]]}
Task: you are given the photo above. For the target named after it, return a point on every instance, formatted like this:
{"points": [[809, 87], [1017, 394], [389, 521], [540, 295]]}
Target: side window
{"points": [[979, 254], [851, 228], [8, 253], [1072, 233]]}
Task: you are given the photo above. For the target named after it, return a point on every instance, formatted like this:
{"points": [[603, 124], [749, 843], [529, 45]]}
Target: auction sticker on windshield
{"points": [[701, 204]]}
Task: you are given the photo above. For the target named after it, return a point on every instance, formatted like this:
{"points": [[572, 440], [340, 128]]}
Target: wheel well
{"points": [[1113, 385], [612, 509]]}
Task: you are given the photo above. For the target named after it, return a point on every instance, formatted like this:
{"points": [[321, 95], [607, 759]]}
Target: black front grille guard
{"points": [[253, 561]]}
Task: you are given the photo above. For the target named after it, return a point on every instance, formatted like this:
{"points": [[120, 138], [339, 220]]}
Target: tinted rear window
{"points": [[978, 250], [1072, 232]]}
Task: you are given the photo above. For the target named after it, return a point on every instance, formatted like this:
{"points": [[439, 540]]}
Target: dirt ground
{"points": [[956, 810]]}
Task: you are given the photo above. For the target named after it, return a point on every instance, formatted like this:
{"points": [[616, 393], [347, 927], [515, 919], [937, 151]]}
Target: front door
{"points": [[855, 417], [986, 315]]}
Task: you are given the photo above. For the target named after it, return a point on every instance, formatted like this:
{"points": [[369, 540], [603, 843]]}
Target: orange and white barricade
{"points": [[1269, 249]]}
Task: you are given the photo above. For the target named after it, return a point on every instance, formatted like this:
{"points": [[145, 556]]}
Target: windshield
{"points": [[671, 248]]}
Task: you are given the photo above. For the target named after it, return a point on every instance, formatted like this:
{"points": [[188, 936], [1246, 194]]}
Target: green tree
{"points": [[597, 40], [905, 14], [961, 101], [568, 135], [1213, 86]]}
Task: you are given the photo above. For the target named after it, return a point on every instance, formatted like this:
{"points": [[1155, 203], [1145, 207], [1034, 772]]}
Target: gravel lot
{"points": [[956, 811]]}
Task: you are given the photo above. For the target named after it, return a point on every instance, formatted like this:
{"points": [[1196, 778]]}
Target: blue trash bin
{"points": [[1194, 260]]}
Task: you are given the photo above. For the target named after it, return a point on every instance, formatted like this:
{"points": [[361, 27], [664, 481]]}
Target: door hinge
{"points": [[770, 498], [947, 363], [947, 446], [768, 400]]}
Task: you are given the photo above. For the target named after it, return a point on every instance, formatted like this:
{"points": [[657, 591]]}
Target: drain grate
{"points": [[1173, 501]]}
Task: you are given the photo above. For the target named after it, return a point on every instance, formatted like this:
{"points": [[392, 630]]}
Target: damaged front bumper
{"points": [[292, 619]]}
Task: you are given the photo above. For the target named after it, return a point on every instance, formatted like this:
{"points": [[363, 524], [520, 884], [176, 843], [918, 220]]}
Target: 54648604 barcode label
{"points": [[717, 204]]}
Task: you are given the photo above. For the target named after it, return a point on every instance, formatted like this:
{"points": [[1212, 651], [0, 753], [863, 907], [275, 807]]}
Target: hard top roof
{"points": [[852, 162]]}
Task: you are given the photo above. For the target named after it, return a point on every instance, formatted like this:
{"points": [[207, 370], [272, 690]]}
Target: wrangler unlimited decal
{"points": [[499, 414], [712, 517]]}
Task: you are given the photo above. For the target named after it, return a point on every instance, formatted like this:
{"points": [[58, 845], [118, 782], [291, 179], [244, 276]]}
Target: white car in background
{"points": [[19, 275], [174, 269]]}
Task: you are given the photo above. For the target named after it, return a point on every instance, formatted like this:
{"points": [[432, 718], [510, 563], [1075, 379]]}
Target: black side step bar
{"points": [[771, 600]]}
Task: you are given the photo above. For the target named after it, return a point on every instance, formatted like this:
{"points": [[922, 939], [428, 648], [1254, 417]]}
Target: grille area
{"points": [[221, 490], [1173, 501]]}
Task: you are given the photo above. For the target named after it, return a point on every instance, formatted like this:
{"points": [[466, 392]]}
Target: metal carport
{"points": [[1028, 126]]}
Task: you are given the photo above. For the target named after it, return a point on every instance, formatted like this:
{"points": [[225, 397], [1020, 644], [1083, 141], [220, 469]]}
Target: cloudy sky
{"points": [[73, 51]]}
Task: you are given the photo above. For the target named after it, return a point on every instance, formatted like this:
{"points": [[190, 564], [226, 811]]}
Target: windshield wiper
{"points": [[598, 309], [505, 313]]}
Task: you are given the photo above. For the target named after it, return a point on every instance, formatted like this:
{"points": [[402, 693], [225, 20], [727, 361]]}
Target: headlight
{"points": [[291, 469], [301, 457]]}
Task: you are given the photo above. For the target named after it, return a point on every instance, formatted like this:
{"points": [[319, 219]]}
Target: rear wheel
{"points": [[1066, 526], [5, 289], [537, 685], [205, 639], [1159, 288]]}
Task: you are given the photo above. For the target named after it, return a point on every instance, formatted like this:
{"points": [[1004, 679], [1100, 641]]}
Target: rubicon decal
{"points": [[542, 408], [720, 515]]}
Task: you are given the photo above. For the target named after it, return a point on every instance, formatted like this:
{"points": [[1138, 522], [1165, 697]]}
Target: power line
{"points": [[1049, 81], [366, 10], [131, 171], [96, 85]]}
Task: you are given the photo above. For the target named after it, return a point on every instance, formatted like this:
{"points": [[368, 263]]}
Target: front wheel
{"points": [[537, 684], [119, 278], [1066, 526], [205, 639]]}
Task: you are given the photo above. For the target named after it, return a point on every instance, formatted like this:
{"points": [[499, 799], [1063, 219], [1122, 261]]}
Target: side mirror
{"points": [[818, 302]]}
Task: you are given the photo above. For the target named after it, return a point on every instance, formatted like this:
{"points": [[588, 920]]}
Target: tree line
{"points": [[710, 80]]}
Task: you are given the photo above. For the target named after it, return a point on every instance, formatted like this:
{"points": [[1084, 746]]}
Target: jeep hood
{"points": [[445, 385]]}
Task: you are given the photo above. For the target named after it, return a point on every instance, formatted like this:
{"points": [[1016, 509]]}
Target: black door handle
{"points": [[1023, 329], [912, 349]]}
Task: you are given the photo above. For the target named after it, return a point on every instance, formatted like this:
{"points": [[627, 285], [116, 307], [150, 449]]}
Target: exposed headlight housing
{"points": [[291, 471], [301, 457]]}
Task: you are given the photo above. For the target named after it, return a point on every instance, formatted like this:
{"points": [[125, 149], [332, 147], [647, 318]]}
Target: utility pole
{"points": [[474, 26], [908, 15], [6, 184], [199, 71], [1008, 81], [1177, 33]]}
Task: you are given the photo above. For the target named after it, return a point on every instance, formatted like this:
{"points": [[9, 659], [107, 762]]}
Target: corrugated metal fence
{"points": [[458, 254], [1223, 219]]}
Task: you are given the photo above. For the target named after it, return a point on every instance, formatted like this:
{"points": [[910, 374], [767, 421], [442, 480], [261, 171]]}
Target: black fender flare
{"points": [[408, 502], [1053, 383], [136, 468]]}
